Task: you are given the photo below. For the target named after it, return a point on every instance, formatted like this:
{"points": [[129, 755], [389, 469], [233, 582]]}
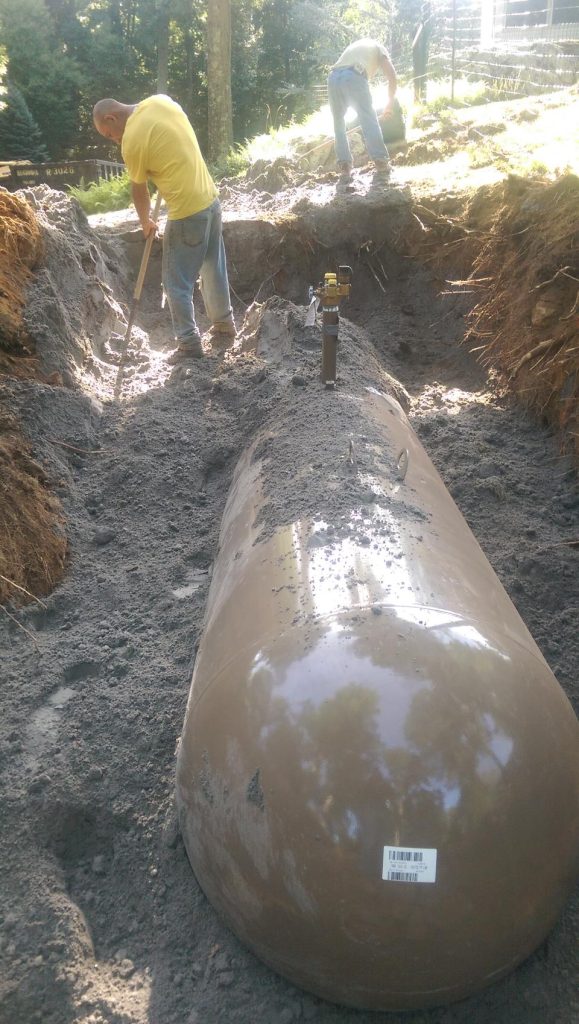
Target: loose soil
{"points": [[34, 547], [103, 921]]}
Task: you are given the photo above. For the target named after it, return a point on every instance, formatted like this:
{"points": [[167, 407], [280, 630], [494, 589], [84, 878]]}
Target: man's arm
{"points": [[142, 203], [389, 73]]}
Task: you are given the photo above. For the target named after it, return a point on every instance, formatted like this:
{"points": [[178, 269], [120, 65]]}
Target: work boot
{"points": [[192, 350], [223, 327], [345, 183], [382, 170], [221, 334]]}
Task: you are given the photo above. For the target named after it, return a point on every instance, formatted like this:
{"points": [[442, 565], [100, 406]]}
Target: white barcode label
{"points": [[408, 864]]}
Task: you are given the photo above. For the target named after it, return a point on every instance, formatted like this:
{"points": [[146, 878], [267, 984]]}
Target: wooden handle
{"points": [[147, 252]]}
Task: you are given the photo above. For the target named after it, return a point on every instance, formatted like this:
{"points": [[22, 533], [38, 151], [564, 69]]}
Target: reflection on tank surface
{"points": [[364, 690]]}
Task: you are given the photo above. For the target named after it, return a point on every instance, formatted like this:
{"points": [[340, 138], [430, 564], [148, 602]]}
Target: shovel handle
{"points": [[147, 252], [136, 296]]}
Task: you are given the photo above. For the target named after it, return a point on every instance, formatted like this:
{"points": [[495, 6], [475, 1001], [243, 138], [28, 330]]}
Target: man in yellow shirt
{"points": [[158, 142]]}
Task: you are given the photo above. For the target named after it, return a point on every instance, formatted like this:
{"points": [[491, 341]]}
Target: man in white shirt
{"points": [[348, 86]]}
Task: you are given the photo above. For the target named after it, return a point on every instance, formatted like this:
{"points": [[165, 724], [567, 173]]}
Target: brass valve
{"points": [[335, 286]]}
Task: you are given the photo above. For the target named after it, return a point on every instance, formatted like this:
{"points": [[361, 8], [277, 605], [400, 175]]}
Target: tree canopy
{"points": [[64, 55]]}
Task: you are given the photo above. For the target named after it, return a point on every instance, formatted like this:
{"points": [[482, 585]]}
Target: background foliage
{"points": [[20, 137], [63, 55]]}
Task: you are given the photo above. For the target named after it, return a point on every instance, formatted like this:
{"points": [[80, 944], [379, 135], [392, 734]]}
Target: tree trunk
{"points": [[163, 20], [189, 68], [220, 128]]}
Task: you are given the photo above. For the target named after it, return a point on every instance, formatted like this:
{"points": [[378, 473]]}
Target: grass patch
{"points": [[467, 93], [480, 155], [291, 140], [529, 168]]}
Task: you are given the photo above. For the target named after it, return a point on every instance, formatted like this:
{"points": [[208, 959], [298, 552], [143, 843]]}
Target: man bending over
{"points": [[348, 87], [158, 142]]}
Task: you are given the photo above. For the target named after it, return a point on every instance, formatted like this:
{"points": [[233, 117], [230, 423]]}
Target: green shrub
{"points": [[115, 194], [467, 93], [231, 166], [103, 196]]}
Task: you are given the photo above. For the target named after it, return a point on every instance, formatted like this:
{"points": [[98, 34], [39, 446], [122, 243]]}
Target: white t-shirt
{"points": [[365, 55]]}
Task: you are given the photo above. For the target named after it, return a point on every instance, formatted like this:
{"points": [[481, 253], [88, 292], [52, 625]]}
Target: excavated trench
{"points": [[104, 922]]}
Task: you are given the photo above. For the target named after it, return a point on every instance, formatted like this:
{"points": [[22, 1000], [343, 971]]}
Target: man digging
{"points": [[348, 87], [158, 142]]}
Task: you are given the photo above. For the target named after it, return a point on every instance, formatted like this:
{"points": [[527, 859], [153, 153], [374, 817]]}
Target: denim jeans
{"points": [[192, 246], [348, 88]]}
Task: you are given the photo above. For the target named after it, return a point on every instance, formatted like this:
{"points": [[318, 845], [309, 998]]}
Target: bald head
{"points": [[110, 118]]}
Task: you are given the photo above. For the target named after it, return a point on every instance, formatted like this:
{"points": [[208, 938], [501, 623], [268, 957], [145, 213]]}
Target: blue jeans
{"points": [[348, 88], [193, 246]]}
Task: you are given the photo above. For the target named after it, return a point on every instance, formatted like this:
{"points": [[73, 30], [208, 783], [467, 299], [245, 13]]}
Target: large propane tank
{"points": [[378, 777]]}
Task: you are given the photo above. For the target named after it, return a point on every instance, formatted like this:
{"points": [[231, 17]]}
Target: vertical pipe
{"points": [[330, 320]]}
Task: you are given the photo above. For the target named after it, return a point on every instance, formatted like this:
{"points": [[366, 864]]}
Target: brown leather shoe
{"points": [[193, 350], [220, 335], [223, 328]]}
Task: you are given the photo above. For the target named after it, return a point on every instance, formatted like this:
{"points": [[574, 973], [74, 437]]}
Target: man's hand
{"points": [[390, 76], [148, 227], [387, 110]]}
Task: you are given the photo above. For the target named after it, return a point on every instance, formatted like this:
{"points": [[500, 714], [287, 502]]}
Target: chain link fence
{"points": [[514, 47]]}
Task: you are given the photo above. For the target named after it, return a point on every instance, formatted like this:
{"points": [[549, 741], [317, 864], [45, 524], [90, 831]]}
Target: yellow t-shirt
{"points": [[159, 143]]}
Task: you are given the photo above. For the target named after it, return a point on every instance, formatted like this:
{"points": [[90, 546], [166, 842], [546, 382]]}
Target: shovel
{"points": [[137, 295]]}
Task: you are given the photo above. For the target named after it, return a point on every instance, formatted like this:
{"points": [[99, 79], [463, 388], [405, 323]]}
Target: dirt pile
{"points": [[446, 137], [527, 321], [56, 303], [32, 542], [71, 308], [66, 311], [275, 331], [33, 545], [510, 249], [20, 250], [272, 175]]}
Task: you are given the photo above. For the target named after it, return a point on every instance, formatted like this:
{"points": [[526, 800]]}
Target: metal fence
{"points": [[513, 46]]}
